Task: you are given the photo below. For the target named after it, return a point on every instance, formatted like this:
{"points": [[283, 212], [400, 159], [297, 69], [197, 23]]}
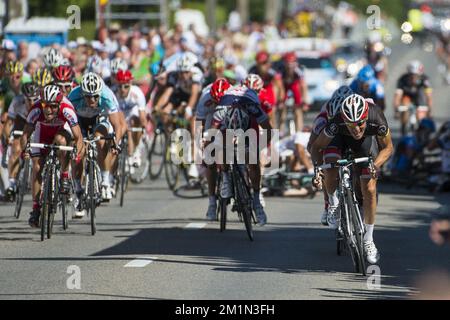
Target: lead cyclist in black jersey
{"points": [[357, 127]]}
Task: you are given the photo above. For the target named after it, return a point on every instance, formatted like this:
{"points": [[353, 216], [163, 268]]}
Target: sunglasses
{"points": [[125, 86], [50, 105], [18, 77], [355, 124], [94, 96], [32, 100], [65, 85]]}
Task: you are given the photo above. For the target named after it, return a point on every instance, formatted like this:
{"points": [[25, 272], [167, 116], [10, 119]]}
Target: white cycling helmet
{"points": [[185, 63], [91, 83], [254, 82], [52, 94], [118, 64], [237, 118], [53, 58], [415, 67], [354, 108], [94, 64]]}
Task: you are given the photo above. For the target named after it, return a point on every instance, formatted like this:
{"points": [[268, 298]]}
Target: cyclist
{"points": [[368, 86], [183, 89], [42, 77], [355, 128], [328, 112], [98, 112], [209, 99], [273, 83], [63, 77], [17, 117], [413, 88], [236, 110], [50, 118], [116, 65], [294, 82], [132, 103]]}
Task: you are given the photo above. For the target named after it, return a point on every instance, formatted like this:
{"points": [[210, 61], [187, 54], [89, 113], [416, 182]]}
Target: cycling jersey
{"points": [[18, 108], [414, 90], [241, 97], [320, 122], [268, 79], [376, 124], [133, 103], [206, 107], [44, 131], [107, 104], [174, 80]]}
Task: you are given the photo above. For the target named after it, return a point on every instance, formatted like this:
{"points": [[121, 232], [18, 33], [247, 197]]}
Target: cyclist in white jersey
{"points": [[132, 103]]}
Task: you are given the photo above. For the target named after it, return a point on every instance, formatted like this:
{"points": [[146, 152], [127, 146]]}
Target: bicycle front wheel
{"points": [[22, 187], [157, 155], [358, 231], [243, 198], [92, 196]]}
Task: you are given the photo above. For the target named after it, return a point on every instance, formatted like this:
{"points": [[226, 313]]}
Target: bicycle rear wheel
{"points": [[157, 154], [243, 198], [53, 203], [64, 209]]}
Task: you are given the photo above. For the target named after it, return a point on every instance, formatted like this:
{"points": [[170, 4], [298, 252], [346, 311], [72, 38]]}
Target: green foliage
{"points": [[45, 8]]}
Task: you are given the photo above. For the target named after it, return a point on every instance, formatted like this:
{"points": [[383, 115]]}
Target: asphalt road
{"points": [[159, 246]]}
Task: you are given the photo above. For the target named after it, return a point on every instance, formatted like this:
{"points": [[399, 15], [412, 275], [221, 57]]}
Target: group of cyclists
{"points": [[50, 107]]}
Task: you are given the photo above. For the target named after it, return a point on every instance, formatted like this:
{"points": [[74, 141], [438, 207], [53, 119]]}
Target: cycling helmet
{"points": [[218, 89], [415, 67], [354, 108], [118, 64], [30, 90], [42, 77], [237, 118], [254, 82], [290, 57], [342, 91], [63, 74], [185, 63], [124, 76], [334, 106], [262, 57], [91, 83], [53, 58], [65, 62], [366, 74], [52, 94], [13, 67], [94, 64]]}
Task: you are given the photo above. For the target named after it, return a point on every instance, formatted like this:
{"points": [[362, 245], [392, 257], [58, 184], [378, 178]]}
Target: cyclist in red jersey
{"points": [[273, 84], [54, 121]]}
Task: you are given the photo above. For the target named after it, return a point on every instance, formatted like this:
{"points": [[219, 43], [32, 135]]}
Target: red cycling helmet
{"points": [[124, 76], [290, 57], [218, 89], [63, 74], [262, 57]]}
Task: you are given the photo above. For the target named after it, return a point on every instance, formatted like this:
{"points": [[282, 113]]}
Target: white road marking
{"points": [[140, 263], [195, 226]]}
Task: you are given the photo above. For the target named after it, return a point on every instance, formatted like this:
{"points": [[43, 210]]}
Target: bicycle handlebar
{"points": [[51, 146], [345, 163], [137, 129]]}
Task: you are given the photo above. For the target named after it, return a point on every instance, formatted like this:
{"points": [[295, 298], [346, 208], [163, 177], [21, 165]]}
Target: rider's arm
{"points": [[78, 138], [164, 99], [27, 131], [322, 141], [278, 82], [117, 120], [196, 89], [386, 149]]}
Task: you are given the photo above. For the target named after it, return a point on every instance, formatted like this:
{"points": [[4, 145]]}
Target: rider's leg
{"points": [[298, 118], [104, 158], [305, 160], [13, 162], [38, 164], [63, 139]]}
